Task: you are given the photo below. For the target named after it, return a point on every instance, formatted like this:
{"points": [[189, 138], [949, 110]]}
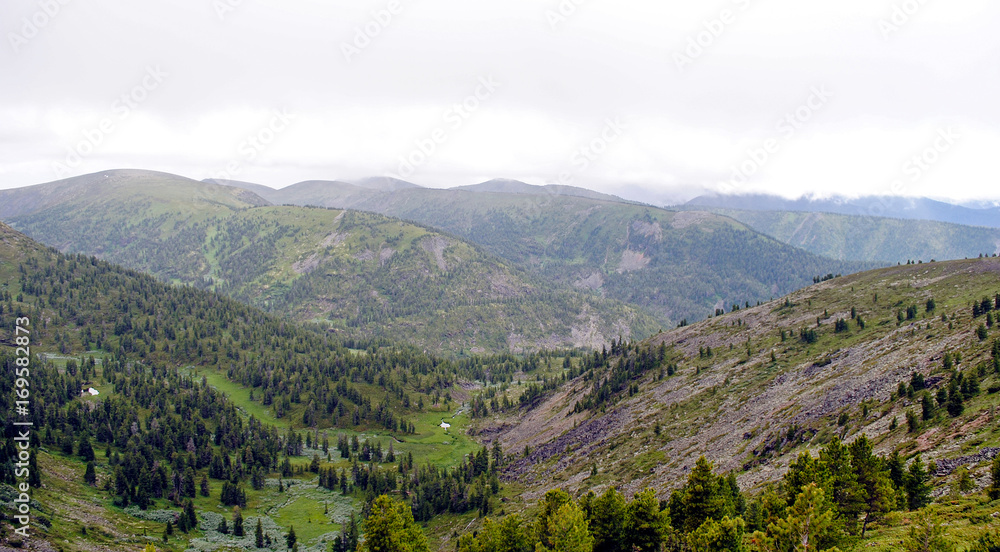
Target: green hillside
{"points": [[363, 275], [677, 265], [753, 389], [856, 238], [197, 386], [207, 403]]}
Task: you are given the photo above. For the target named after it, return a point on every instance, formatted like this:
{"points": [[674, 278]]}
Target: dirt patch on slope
{"points": [[631, 261], [436, 245], [594, 281]]}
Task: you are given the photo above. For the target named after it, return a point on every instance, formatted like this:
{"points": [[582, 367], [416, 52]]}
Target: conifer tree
{"points": [[700, 499], [647, 525], [568, 530], [390, 528], [237, 522], [608, 521], [876, 488], [916, 484], [86, 451], [89, 476]]}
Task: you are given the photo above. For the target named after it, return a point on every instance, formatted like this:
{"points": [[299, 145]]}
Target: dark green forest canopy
{"points": [[90, 305]]}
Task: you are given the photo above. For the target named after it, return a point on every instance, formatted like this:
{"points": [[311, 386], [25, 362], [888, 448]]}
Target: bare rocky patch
{"points": [[631, 261], [594, 281], [752, 414], [648, 229], [436, 245], [307, 265], [385, 254]]}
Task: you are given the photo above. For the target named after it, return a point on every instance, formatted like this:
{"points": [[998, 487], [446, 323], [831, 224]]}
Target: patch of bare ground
{"points": [[648, 229], [594, 281], [306, 265], [384, 255], [502, 286], [585, 333], [335, 238], [436, 245], [631, 261], [32, 544]]}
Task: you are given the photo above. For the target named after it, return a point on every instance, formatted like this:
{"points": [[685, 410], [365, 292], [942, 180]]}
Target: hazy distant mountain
{"points": [[508, 186], [674, 265], [363, 274], [871, 206], [383, 183], [857, 238], [315, 192], [102, 188], [265, 192]]}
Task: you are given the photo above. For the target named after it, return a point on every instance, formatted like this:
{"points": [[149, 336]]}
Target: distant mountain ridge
{"points": [[677, 266], [869, 206], [508, 186], [365, 275], [857, 238]]}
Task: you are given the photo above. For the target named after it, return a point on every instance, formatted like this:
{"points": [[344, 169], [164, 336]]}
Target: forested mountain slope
{"points": [[677, 265], [753, 388], [365, 275], [173, 443]]}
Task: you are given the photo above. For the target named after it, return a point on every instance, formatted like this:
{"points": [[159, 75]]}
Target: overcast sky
{"points": [[660, 100]]}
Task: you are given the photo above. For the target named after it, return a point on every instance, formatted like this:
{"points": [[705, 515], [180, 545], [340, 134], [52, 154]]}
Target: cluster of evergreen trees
{"points": [[634, 361], [820, 503], [291, 369]]}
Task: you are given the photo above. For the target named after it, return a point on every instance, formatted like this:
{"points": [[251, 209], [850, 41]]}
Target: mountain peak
{"points": [[383, 183]]}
